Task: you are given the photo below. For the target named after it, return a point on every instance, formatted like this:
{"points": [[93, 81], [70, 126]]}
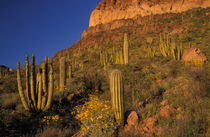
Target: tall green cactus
{"points": [[20, 89], [62, 73], [39, 90], [70, 72], [164, 45], [121, 56], [126, 49], [116, 89], [169, 48]]}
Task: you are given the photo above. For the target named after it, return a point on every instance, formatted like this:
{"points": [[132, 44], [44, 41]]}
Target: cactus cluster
{"points": [[75, 64], [151, 51], [39, 88], [116, 89], [116, 55], [169, 48]]}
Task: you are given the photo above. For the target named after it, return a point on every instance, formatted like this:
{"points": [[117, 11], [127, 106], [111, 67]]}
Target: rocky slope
{"points": [[137, 17], [4, 70], [112, 14], [109, 10]]}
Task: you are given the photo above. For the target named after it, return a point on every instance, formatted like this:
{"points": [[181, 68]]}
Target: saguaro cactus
{"points": [[126, 49], [116, 89], [70, 72], [39, 91], [62, 73]]}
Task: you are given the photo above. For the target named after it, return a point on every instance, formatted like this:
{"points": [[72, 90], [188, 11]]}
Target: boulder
{"points": [[168, 111], [151, 122], [128, 128], [164, 102], [69, 97], [132, 119], [194, 54]]}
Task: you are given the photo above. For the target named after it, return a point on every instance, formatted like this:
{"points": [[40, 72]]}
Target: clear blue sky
{"points": [[42, 27]]}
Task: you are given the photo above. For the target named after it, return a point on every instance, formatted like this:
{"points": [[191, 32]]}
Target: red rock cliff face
{"points": [[109, 10]]}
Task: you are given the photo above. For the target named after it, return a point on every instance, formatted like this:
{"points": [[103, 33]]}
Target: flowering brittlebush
{"points": [[96, 116], [51, 119]]}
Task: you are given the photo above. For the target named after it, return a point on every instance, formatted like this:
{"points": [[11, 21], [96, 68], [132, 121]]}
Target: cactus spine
{"points": [[126, 49], [116, 89], [62, 73], [35, 91]]}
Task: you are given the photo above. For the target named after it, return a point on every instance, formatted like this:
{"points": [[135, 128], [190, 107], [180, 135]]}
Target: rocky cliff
{"points": [[109, 10], [112, 18]]}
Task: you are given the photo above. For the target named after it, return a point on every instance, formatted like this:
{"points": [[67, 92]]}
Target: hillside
{"points": [[110, 10], [164, 94]]}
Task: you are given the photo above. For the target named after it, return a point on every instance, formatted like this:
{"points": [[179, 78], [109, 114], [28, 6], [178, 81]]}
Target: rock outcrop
{"points": [[194, 54], [168, 111], [110, 10], [5, 71]]}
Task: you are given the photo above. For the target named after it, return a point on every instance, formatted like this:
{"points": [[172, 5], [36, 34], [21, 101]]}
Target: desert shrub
{"points": [[52, 120], [51, 132], [92, 80], [9, 83], [96, 117], [9, 100], [19, 108], [194, 104], [15, 124]]}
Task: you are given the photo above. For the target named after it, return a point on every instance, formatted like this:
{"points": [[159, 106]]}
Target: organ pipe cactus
{"points": [[116, 89], [151, 51], [169, 48], [164, 45], [126, 49], [39, 91], [62, 73]]}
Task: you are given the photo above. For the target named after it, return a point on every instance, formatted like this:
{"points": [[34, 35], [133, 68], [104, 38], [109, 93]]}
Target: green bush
{"points": [[96, 117], [9, 100], [19, 108]]}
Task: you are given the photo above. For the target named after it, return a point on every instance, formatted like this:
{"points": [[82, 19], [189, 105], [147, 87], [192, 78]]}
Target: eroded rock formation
{"points": [[109, 10]]}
